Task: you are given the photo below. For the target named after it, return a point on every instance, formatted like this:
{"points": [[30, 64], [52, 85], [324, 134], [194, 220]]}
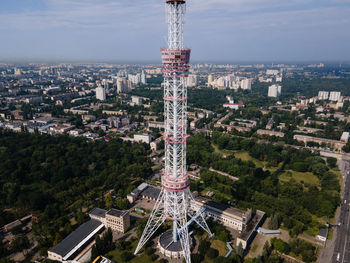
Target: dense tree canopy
{"points": [[53, 177], [293, 202]]}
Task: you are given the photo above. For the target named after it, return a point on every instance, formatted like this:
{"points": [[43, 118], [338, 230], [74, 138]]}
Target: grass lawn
{"points": [[330, 234], [220, 246], [244, 156], [312, 231], [222, 152], [141, 258], [254, 248], [308, 178], [204, 192], [339, 175], [154, 167]]}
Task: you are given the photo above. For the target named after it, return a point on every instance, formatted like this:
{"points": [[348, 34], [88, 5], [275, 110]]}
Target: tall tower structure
{"points": [[174, 200]]}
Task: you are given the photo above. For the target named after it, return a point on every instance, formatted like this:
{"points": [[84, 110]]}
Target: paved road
{"points": [[342, 242]]}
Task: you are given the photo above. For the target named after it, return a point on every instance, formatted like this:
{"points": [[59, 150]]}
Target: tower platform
{"points": [[169, 248]]}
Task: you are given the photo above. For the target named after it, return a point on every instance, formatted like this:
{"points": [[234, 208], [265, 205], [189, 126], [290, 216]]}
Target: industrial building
{"points": [[75, 242], [145, 191], [227, 215]]}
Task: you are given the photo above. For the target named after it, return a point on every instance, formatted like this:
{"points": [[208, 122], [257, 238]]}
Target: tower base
{"points": [[168, 247]]}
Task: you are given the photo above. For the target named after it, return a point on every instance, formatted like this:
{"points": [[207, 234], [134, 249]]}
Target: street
{"points": [[342, 243]]}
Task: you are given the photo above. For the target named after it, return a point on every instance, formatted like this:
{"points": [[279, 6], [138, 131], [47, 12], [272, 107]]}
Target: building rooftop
{"points": [[221, 208], [98, 212], [116, 212], [323, 232], [166, 241], [74, 240], [151, 192], [142, 186], [13, 224]]}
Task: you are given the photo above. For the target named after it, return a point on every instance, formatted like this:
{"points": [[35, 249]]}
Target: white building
{"points": [[123, 85], [233, 106], [192, 80], [17, 71], [334, 96], [135, 79], [143, 78], [345, 137], [274, 72], [210, 79], [322, 235], [70, 247], [137, 100], [105, 84], [227, 215], [100, 93], [323, 95], [274, 91], [146, 138], [230, 99], [246, 84]]}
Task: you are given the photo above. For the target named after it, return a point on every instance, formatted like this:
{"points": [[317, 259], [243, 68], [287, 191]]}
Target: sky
{"points": [[216, 30]]}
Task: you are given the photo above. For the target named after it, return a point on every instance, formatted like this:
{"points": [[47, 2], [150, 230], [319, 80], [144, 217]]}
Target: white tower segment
{"points": [[174, 201]]}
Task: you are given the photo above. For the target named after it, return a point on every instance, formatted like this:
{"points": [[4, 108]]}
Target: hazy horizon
{"points": [[216, 30]]}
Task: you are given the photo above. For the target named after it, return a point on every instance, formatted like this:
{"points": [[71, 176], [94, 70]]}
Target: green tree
{"points": [[332, 162], [212, 253], [21, 243], [196, 258], [108, 201], [240, 250], [203, 247], [126, 256], [122, 203]]}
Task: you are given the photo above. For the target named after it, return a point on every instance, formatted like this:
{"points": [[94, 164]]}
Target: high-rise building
{"points": [[135, 79], [334, 96], [192, 80], [246, 84], [323, 95], [105, 84], [100, 93], [174, 200], [274, 91], [210, 79], [17, 71], [123, 85], [143, 78]]}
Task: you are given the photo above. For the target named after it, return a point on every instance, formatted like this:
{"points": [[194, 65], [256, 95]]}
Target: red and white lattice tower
{"points": [[174, 200]]}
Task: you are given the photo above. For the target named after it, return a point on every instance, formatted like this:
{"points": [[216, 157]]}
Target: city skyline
{"points": [[235, 31]]}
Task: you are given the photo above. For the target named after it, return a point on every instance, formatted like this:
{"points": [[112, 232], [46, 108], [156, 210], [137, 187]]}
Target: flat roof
{"points": [[98, 212], [323, 232], [116, 212], [13, 224], [166, 241], [75, 238], [221, 208], [151, 192]]}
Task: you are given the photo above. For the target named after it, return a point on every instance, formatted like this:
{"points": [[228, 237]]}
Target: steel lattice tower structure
{"points": [[174, 200]]}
